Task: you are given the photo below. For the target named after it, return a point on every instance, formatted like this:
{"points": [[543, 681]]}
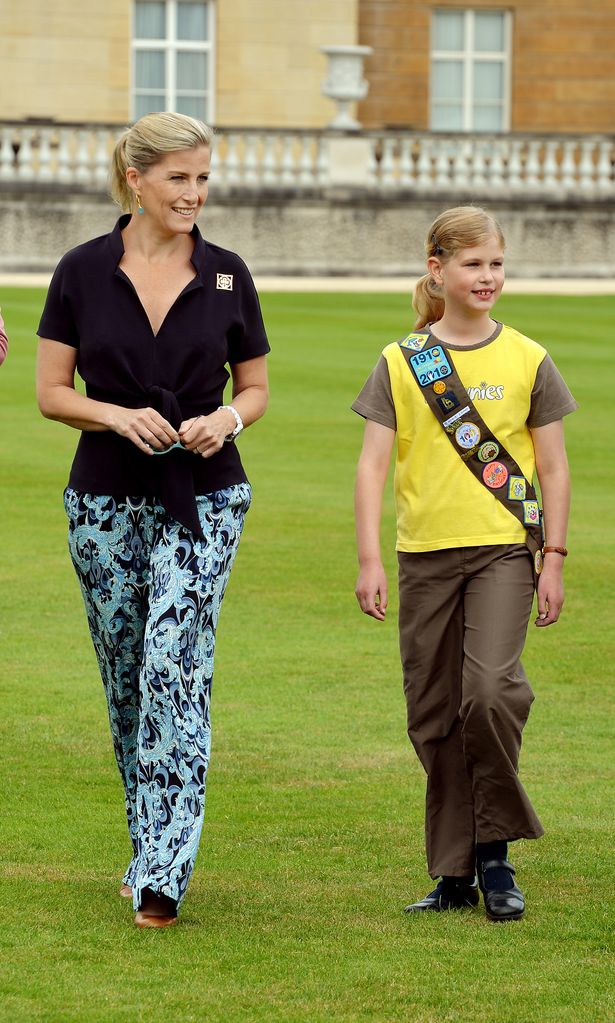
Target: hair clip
{"points": [[437, 248]]}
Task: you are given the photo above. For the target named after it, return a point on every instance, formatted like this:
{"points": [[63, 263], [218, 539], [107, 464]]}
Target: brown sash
{"points": [[434, 371]]}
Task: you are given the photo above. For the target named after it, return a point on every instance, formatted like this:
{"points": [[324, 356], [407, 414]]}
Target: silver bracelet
{"points": [[238, 421]]}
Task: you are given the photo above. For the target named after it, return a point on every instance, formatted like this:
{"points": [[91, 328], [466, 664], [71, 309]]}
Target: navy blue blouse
{"points": [[181, 371]]}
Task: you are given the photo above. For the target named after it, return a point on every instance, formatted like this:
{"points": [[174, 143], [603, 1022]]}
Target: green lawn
{"points": [[313, 838]]}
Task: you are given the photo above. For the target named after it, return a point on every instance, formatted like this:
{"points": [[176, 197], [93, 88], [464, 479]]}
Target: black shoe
{"points": [[448, 894], [501, 904]]}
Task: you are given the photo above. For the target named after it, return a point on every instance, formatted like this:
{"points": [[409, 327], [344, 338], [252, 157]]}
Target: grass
{"points": [[313, 837]]}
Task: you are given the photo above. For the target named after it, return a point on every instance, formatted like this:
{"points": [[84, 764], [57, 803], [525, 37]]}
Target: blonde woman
{"points": [[475, 407], [151, 315]]}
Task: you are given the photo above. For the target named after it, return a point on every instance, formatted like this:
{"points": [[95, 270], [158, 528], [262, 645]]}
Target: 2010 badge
{"points": [[488, 451], [467, 435], [495, 475], [430, 365]]}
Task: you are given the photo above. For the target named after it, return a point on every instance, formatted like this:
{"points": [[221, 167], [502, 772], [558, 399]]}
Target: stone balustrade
{"points": [[387, 162]]}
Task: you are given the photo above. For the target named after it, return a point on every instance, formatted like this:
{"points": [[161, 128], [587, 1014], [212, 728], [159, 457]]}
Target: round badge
{"points": [[495, 475], [439, 387], [538, 562], [467, 435], [488, 451]]}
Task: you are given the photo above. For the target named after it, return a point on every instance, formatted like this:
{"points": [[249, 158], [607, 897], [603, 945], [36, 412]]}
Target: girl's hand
{"points": [[206, 434], [145, 427], [550, 592], [372, 591]]}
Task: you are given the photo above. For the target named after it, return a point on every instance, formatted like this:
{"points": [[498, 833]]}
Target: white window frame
{"points": [[469, 57], [170, 45]]}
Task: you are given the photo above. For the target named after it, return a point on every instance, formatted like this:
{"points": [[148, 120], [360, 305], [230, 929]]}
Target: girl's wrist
{"points": [[550, 549]]}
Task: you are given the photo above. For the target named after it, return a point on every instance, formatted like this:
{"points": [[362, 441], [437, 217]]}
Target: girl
{"points": [[477, 407]]}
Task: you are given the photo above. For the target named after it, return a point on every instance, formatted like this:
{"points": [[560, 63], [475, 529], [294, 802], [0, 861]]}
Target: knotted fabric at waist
{"points": [[173, 471]]}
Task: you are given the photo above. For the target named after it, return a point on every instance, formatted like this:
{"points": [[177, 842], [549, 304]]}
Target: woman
{"points": [[150, 315]]}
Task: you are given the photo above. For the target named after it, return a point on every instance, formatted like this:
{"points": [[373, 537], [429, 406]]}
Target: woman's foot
{"points": [[125, 891], [156, 910]]}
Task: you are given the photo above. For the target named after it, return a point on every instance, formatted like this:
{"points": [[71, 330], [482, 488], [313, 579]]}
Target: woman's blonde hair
{"points": [[146, 142], [461, 227]]}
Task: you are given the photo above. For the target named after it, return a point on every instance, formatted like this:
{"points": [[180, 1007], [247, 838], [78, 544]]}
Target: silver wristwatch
{"points": [[238, 421]]}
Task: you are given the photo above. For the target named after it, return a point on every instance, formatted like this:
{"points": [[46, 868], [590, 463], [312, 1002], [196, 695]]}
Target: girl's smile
{"points": [[471, 279]]}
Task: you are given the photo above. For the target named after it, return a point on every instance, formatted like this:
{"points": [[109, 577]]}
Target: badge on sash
{"points": [[414, 341], [488, 451], [448, 399], [430, 365], [467, 435], [517, 488], [495, 475], [531, 513]]}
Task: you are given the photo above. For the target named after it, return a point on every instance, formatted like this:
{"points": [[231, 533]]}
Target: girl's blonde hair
{"points": [[146, 142], [462, 227]]}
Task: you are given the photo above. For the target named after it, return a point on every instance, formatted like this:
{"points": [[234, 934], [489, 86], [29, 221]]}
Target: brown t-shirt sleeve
{"points": [[375, 400], [551, 400]]}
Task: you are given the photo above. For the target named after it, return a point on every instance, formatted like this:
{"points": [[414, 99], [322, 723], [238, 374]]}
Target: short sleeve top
{"points": [[181, 371], [514, 385]]}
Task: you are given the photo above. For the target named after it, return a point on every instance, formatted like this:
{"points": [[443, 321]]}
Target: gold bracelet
{"points": [[555, 550]]}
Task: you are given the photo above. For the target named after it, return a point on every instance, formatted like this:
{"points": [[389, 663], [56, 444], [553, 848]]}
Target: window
{"points": [[470, 69], [173, 57]]}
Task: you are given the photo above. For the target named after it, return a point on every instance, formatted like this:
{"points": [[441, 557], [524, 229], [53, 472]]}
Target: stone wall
{"points": [[325, 232]]}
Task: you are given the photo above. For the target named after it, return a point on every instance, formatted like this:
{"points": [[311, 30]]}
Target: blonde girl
{"points": [[466, 576]]}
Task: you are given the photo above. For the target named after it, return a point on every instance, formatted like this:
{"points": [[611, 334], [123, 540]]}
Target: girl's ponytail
{"points": [[427, 302]]}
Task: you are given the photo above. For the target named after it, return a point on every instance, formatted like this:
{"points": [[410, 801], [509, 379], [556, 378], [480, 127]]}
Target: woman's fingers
{"points": [[204, 435], [146, 428]]}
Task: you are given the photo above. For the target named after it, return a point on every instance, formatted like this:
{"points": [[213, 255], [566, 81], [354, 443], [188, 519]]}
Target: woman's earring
{"points": [[139, 206]]}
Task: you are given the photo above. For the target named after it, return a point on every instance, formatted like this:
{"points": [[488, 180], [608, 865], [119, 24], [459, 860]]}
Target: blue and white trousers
{"points": [[152, 592]]}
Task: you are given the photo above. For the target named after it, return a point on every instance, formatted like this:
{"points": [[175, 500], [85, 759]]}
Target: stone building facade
{"points": [[519, 65], [259, 60], [559, 61]]}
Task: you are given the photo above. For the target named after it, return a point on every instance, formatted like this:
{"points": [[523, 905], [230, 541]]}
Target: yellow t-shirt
{"points": [[440, 504]]}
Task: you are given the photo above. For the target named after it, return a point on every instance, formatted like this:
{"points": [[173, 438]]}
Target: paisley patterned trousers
{"points": [[152, 593]]}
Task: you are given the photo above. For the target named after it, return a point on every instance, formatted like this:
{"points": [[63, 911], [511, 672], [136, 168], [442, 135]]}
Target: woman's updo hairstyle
{"points": [[149, 139], [462, 227]]}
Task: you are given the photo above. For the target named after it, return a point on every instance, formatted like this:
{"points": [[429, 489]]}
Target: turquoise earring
{"points": [[139, 206]]}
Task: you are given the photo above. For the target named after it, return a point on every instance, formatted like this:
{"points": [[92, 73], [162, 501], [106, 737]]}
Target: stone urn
{"points": [[345, 82]]}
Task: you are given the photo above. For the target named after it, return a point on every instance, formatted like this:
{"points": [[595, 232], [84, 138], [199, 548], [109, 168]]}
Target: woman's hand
{"points": [[145, 427], [58, 399], [206, 434]]}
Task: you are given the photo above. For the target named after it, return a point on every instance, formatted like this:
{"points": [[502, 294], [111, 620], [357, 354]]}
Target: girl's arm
{"points": [[58, 399], [554, 479], [371, 589]]}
